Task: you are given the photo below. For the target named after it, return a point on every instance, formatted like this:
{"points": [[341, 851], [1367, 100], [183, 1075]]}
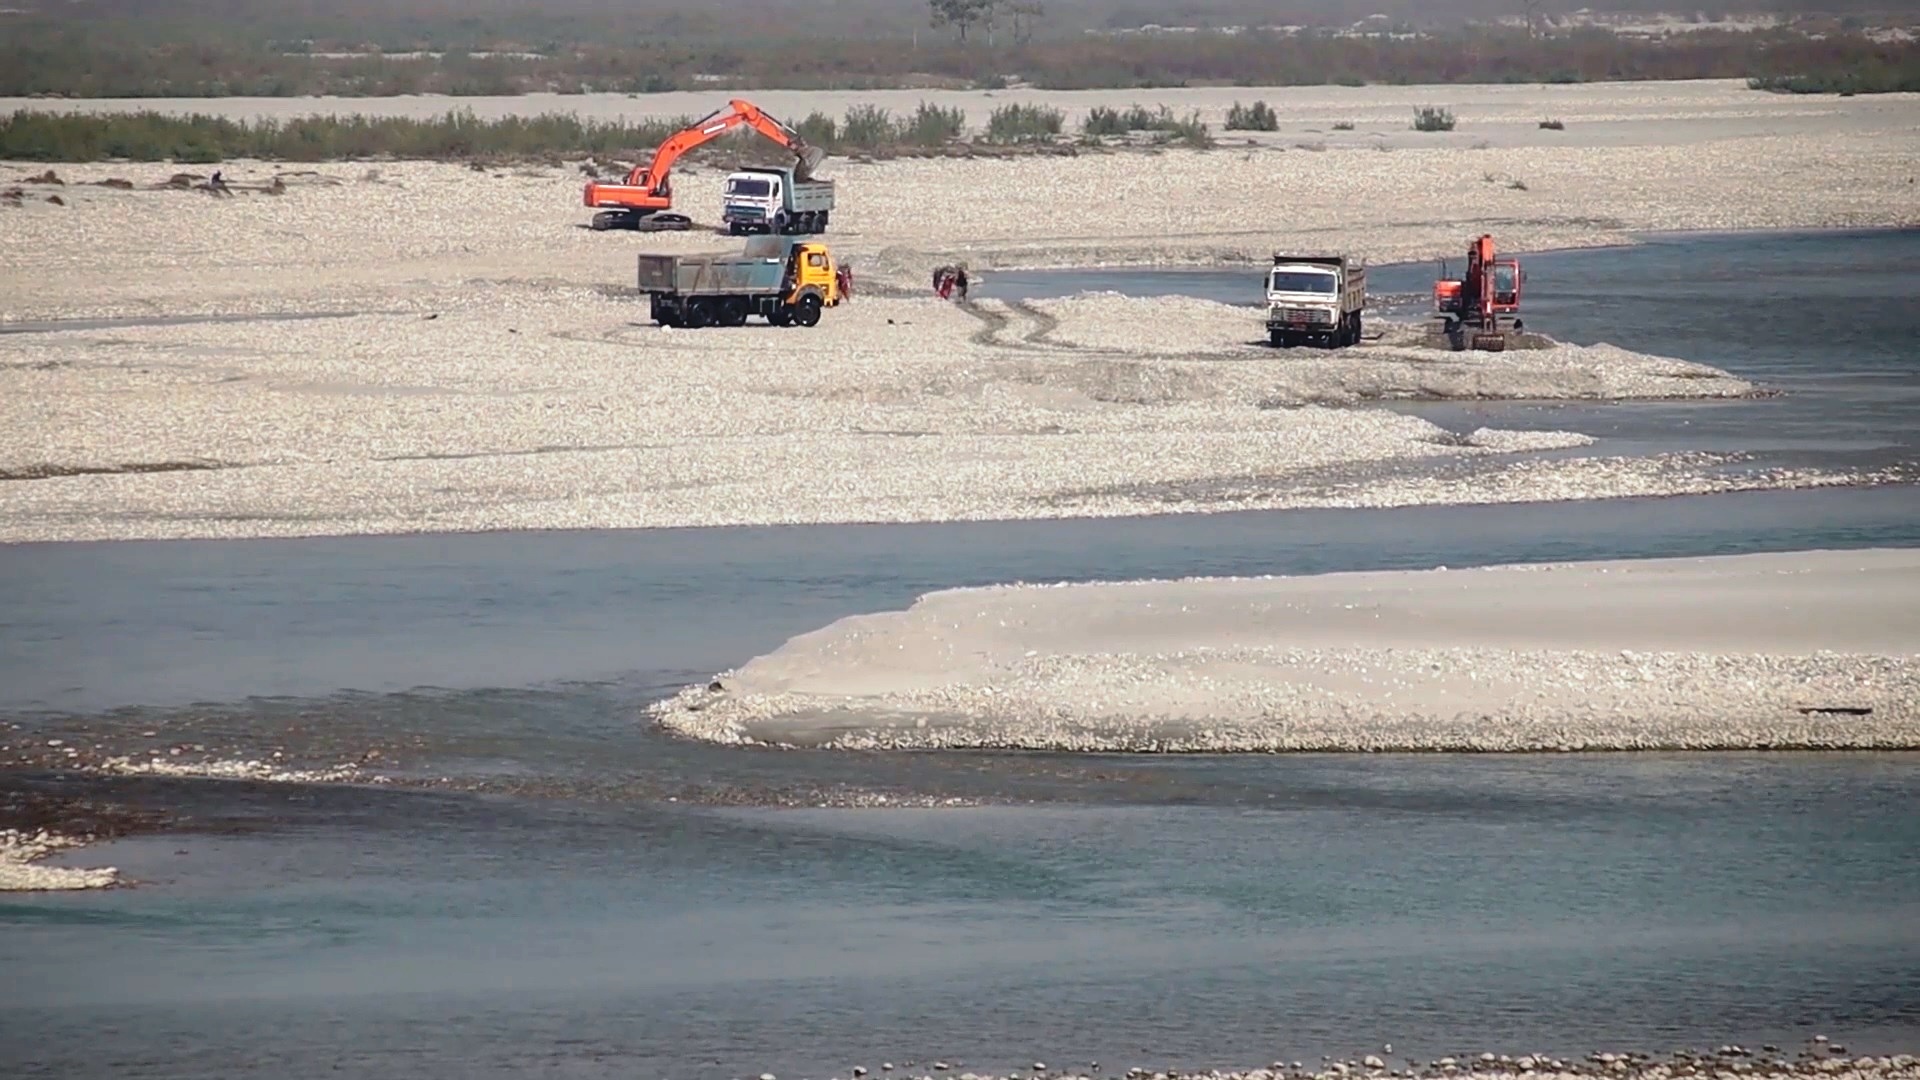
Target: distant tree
{"points": [[961, 14], [1021, 15]]}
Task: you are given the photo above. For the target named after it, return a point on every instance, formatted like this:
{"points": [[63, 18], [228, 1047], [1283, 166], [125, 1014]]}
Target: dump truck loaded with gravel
{"points": [[1315, 299], [784, 279]]}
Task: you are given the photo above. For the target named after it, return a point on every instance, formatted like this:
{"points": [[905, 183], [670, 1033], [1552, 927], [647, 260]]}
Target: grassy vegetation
{"points": [[1432, 118], [148, 136], [1553, 125], [116, 60], [1256, 117], [33, 135], [1343, 125], [1024, 124], [1103, 122]]}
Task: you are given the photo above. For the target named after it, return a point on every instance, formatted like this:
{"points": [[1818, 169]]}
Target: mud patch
{"points": [[55, 326], [50, 470]]}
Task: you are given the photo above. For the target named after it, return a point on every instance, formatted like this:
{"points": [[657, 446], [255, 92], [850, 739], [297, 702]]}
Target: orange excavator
{"points": [[644, 201], [1479, 300]]}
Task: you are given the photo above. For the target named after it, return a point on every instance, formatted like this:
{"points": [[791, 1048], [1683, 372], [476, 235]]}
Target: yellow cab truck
{"points": [[787, 280]]}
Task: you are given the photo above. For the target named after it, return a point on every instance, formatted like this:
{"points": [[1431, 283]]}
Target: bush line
{"points": [[38, 135]]}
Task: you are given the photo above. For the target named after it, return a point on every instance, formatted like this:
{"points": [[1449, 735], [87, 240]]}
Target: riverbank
{"points": [[1812, 650], [1820, 1058], [1630, 158], [403, 346]]}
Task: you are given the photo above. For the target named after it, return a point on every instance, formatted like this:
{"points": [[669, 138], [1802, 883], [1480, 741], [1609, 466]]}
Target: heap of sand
{"points": [[1808, 650]]}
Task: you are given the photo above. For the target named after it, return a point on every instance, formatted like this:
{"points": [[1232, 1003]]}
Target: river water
{"points": [[553, 888]]}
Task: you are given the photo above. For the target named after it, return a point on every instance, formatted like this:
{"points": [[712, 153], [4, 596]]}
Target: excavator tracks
{"points": [[626, 219]]}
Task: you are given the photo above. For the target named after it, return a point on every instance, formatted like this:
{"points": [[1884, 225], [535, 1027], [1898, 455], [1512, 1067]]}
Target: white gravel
{"points": [[1716, 653], [534, 400], [1820, 1060], [235, 770], [529, 407], [22, 871]]}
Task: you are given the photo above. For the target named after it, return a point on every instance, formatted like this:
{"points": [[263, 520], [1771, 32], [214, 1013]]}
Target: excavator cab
{"points": [[1506, 286]]}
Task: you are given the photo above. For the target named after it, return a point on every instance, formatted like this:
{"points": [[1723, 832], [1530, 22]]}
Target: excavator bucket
{"points": [[810, 159]]}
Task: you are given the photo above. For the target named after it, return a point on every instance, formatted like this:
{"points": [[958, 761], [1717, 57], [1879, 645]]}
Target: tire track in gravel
{"points": [[1036, 331]]}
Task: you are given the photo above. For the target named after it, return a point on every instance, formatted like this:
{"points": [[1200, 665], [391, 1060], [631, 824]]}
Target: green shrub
{"points": [[868, 127], [932, 125], [1024, 123], [1343, 125], [818, 129], [1256, 117], [1430, 118], [1103, 121], [1553, 125]]}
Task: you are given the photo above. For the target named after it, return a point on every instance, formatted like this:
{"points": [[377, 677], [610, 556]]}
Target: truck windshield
{"points": [[1301, 281], [741, 185]]}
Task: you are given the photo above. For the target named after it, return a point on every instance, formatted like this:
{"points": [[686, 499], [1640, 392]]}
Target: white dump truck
{"points": [[776, 200], [1315, 299]]}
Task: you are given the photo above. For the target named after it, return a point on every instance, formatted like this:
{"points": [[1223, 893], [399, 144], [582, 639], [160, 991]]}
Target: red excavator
{"points": [[1489, 291], [644, 200]]}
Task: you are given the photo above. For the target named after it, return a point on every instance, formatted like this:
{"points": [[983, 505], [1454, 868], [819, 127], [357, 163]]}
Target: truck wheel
{"points": [[780, 317], [807, 311], [1277, 339], [695, 315], [824, 216], [780, 224], [1359, 328], [733, 312]]}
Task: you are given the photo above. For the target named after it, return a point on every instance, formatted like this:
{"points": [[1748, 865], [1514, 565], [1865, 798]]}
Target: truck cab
{"points": [[775, 200], [811, 269], [752, 198], [1315, 299]]}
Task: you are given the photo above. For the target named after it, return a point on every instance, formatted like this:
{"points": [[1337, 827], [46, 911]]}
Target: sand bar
{"points": [[530, 408], [1807, 650]]}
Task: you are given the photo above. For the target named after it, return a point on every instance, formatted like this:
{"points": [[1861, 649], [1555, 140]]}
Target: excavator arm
{"points": [[648, 188], [655, 173]]}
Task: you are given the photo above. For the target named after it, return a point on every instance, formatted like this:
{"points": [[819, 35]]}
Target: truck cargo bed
{"points": [[761, 268]]}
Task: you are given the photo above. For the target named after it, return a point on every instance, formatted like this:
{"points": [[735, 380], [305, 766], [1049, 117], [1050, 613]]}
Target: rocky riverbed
{"points": [[1818, 1059]]}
